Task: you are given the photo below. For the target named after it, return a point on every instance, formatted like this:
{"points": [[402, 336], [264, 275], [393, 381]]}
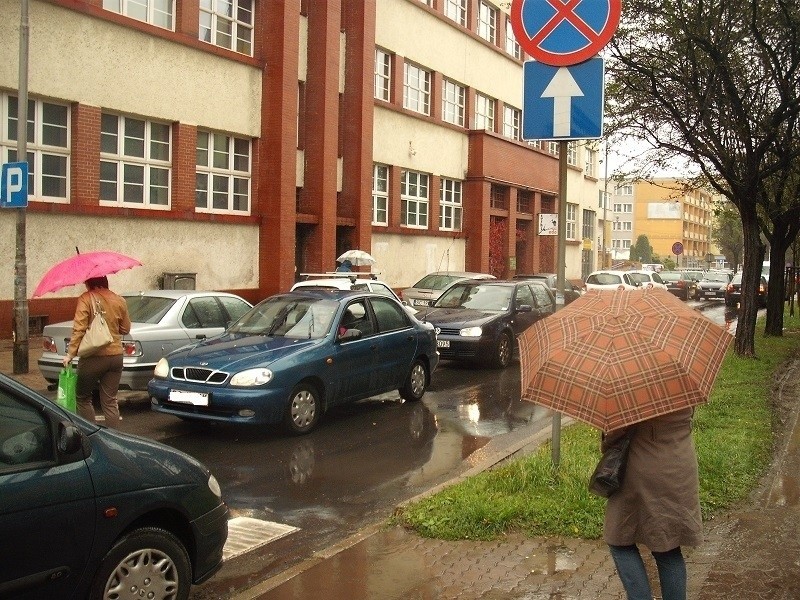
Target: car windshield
{"points": [[147, 309], [288, 316], [490, 298], [435, 281]]}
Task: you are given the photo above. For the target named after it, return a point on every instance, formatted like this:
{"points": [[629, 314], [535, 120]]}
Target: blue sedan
{"points": [[295, 355]]}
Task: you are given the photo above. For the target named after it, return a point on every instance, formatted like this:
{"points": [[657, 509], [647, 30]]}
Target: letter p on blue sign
{"points": [[14, 185]]}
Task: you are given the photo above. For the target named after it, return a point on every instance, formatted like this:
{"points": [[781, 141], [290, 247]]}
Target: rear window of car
{"points": [[148, 309], [640, 277], [604, 279], [435, 281], [671, 276], [716, 278]]}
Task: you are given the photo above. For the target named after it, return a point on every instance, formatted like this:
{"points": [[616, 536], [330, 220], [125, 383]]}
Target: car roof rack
{"points": [[351, 275]]}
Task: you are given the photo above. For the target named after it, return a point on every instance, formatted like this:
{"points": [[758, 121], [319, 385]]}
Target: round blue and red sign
{"points": [[564, 32], [677, 248]]}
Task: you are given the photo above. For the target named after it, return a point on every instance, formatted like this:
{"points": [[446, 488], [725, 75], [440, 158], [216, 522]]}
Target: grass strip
{"points": [[733, 435]]}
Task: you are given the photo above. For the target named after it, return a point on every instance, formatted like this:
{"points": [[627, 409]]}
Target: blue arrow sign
{"points": [[563, 102]]}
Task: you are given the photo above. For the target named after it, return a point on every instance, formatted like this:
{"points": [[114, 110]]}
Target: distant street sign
{"points": [[677, 248], [562, 102], [564, 32], [14, 185]]}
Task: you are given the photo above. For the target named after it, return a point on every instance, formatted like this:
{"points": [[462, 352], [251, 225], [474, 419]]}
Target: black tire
{"points": [[303, 410], [416, 382], [149, 562], [502, 352]]}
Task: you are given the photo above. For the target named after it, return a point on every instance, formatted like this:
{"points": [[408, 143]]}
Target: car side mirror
{"points": [[350, 334], [70, 438], [524, 308]]}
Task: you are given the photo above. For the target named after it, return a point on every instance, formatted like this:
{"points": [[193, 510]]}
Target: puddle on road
{"points": [[554, 560]]}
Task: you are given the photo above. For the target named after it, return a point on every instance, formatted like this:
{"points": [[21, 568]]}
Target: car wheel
{"points": [[502, 352], [303, 410], [148, 563], [416, 382]]}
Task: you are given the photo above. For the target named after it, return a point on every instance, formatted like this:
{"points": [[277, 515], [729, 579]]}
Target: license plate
{"points": [[422, 302], [442, 343], [195, 398]]}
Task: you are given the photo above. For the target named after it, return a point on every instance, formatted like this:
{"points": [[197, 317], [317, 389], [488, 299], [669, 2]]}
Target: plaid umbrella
{"points": [[614, 358]]}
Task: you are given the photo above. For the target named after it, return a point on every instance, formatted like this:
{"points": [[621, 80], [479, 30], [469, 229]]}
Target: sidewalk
{"points": [[752, 552]]}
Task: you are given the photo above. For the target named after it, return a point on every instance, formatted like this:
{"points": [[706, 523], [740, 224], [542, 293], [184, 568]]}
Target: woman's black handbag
{"points": [[607, 476]]}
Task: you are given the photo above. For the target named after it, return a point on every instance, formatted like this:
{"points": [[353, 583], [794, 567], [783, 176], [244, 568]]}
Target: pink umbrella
{"points": [[77, 269]]}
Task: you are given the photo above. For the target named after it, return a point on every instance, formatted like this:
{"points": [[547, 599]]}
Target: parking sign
{"points": [[14, 185]]}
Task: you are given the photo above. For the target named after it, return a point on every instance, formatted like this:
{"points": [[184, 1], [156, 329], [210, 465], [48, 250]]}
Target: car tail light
{"points": [[131, 348], [49, 344]]}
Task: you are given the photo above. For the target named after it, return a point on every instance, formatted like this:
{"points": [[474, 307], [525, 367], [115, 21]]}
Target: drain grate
{"points": [[246, 534]]}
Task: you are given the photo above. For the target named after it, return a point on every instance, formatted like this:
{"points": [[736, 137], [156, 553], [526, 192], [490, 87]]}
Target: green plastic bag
{"points": [[67, 386]]}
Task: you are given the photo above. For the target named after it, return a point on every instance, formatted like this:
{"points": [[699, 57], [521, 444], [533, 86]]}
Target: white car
{"points": [[349, 281], [649, 279], [611, 280]]}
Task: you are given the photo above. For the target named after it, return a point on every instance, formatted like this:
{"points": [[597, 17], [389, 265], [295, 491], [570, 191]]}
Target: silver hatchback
{"points": [[161, 321], [429, 288]]}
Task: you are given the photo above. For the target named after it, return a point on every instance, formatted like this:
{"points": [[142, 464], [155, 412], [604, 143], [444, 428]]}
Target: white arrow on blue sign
{"points": [[564, 103]]}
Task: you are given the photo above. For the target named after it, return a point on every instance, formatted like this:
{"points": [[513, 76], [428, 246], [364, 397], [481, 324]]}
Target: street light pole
{"points": [[20, 354], [605, 205]]}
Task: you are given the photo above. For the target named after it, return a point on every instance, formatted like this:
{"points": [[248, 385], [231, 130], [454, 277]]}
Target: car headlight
{"points": [[213, 485], [252, 377], [471, 332], [162, 368]]}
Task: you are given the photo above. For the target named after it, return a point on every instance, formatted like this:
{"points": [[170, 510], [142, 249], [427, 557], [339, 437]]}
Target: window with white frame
{"points": [[453, 102], [511, 119], [572, 153], [48, 144], [572, 221], [380, 195], [625, 189], [383, 75], [135, 162], [416, 89], [487, 21], [589, 217], [450, 206], [484, 112], [414, 197], [623, 226], [228, 24], [553, 148], [591, 162], [623, 208], [512, 45], [223, 173], [621, 244], [156, 12], [456, 10]]}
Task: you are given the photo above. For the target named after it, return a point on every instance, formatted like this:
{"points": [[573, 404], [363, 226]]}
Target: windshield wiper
{"points": [[280, 319]]}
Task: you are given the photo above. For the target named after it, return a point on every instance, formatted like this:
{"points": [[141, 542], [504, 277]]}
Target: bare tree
{"points": [[716, 83], [727, 232]]}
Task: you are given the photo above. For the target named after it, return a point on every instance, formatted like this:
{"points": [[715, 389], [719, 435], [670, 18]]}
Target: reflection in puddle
{"points": [[556, 559]]}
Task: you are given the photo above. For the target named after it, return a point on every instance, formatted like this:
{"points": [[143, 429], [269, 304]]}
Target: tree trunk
{"points": [[744, 342], [777, 285]]}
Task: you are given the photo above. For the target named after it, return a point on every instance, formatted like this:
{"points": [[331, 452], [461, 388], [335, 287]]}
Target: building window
{"points": [[623, 226], [48, 143], [524, 201], [456, 10], [572, 221], [498, 197], [223, 173], [553, 148], [511, 119], [588, 224], [155, 12], [572, 153], [450, 205], [383, 75], [626, 189], [591, 161], [380, 195], [135, 165], [453, 102], [512, 45], [414, 196], [417, 89], [487, 22], [621, 244], [538, 144], [623, 208], [228, 24], [484, 112]]}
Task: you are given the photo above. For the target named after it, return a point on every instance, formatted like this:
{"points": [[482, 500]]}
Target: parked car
{"points": [[648, 279], [712, 285], [90, 512], [350, 281], [611, 280], [295, 355], [733, 292], [571, 291], [161, 321], [428, 289], [479, 320], [680, 284]]}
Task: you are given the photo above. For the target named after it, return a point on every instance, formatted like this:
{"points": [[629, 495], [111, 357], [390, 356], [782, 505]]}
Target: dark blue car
{"points": [[89, 512], [295, 355]]}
